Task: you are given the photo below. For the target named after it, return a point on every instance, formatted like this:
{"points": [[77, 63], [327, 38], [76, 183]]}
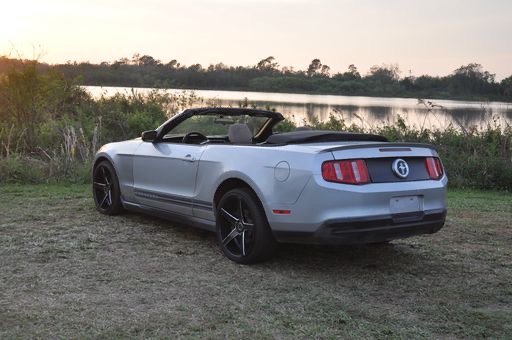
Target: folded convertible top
{"points": [[316, 136]]}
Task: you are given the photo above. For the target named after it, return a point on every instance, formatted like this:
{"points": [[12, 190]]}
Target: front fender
{"points": [[120, 155]]}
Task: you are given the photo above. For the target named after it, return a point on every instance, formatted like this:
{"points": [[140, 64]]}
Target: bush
{"points": [[474, 158], [26, 169], [22, 169]]}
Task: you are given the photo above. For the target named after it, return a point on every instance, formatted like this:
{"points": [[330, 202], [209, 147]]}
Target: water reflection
{"points": [[367, 111]]}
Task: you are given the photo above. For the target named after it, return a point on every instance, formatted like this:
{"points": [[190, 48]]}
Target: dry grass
{"points": [[67, 271]]}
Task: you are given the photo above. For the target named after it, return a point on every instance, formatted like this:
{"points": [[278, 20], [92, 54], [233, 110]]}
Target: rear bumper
{"points": [[372, 229]]}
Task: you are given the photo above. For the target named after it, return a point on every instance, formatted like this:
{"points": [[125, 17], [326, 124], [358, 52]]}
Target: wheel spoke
{"points": [[241, 209], [230, 217], [99, 185], [243, 243], [248, 226], [103, 200], [234, 233], [236, 240], [105, 175], [109, 198]]}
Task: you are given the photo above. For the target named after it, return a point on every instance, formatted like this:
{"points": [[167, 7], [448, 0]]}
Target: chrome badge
{"points": [[400, 168]]}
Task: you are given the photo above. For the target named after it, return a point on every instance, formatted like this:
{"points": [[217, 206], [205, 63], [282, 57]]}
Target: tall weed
{"points": [[50, 129]]}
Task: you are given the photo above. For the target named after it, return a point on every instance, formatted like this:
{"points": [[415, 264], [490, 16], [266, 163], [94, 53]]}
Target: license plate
{"points": [[405, 204]]}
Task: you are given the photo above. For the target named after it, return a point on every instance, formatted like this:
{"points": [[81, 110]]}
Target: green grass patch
{"points": [[69, 272]]}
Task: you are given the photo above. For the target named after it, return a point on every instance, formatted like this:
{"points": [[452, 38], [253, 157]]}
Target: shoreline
{"points": [[455, 99]]}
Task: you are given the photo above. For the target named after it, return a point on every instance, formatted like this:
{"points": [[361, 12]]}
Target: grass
{"points": [[67, 271]]}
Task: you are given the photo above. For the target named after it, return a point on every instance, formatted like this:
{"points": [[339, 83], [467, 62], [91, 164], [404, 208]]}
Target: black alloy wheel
{"points": [[105, 188], [242, 228]]}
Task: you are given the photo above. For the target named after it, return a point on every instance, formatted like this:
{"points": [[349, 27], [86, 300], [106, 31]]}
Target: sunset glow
{"points": [[10, 23], [432, 37]]}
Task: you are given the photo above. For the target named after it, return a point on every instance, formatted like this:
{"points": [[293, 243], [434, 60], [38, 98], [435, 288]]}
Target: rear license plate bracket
{"points": [[405, 204]]}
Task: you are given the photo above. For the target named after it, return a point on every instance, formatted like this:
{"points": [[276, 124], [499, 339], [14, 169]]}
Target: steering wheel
{"points": [[193, 136]]}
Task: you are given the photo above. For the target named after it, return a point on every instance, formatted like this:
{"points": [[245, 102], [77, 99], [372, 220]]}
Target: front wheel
{"points": [[105, 188], [242, 228]]}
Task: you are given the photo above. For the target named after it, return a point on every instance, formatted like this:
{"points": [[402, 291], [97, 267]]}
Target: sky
{"points": [[423, 37]]}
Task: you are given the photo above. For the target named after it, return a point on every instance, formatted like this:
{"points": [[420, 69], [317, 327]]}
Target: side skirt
{"points": [[174, 217]]}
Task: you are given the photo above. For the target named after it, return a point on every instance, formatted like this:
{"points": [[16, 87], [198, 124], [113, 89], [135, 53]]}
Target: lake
{"points": [[365, 111]]}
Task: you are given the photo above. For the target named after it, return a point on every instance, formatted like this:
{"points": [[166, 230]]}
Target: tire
{"points": [[243, 232], [105, 189]]}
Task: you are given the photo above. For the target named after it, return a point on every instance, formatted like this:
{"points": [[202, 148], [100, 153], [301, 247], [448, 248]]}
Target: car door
{"points": [[164, 175]]}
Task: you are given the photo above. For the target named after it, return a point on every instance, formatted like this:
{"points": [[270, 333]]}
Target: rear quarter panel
{"points": [[256, 165]]}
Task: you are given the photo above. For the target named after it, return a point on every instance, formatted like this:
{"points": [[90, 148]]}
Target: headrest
{"points": [[240, 134]]}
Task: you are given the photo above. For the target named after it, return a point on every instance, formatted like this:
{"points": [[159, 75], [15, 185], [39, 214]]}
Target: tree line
{"points": [[466, 82]]}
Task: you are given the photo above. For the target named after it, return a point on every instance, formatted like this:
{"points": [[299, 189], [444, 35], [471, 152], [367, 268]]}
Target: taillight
{"points": [[434, 167], [346, 171]]}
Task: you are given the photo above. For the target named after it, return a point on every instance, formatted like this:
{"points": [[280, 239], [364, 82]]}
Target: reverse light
{"points": [[351, 171], [434, 167]]}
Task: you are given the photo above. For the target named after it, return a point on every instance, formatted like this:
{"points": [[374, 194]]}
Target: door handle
{"points": [[189, 158]]}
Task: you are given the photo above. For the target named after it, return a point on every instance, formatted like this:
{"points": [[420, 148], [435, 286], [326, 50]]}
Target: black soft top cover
{"points": [[316, 136]]}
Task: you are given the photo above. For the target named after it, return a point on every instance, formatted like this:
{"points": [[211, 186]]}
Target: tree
{"points": [[324, 71], [474, 70], [314, 67], [352, 69], [268, 65], [123, 61], [195, 68], [472, 79], [288, 70], [135, 59], [408, 83], [147, 60], [28, 98], [384, 73], [351, 74], [173, 64], [506, 85]]}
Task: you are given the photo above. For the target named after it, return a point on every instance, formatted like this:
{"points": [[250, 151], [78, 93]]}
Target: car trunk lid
{"points": [[383, 159]]}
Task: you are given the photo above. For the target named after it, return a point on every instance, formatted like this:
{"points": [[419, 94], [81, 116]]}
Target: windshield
{"points": [[216, 125]]}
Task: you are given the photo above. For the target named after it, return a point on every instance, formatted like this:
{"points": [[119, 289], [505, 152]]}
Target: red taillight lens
{"points": [[434, 167], [347, 171]]}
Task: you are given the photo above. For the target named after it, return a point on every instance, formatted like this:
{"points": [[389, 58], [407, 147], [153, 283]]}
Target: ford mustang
{"points": [[227, 170]]}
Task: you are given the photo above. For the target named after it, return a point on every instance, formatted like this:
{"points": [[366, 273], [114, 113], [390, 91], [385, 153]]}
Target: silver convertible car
{"points": [[227, 170]]}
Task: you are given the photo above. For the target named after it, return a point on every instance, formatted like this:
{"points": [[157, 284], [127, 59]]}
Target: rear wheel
{"points": [[105, 188], [242, 228]]}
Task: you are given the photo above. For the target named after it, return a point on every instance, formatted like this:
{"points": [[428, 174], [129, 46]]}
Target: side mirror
{"points": [[149, 136]]}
